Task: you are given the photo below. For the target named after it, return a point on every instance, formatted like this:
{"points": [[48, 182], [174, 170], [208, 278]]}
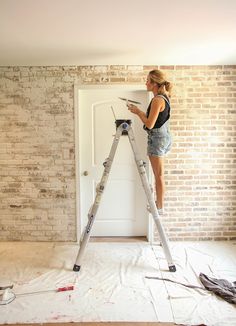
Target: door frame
{"points": [[81, 87]]}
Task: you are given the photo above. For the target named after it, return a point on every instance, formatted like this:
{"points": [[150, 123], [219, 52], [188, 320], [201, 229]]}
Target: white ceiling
{"points": [[102, 32]]}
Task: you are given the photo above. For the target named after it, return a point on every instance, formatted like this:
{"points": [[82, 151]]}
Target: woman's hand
{"points": [[134, 109]]}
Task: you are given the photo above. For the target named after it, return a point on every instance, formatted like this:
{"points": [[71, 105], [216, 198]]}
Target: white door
{"points": [[122, 210]]}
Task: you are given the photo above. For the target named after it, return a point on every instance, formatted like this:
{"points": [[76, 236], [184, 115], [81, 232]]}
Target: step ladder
{"points": [[123, 127]]}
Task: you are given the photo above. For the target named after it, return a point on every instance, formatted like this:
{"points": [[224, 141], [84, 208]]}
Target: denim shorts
{"points": [[159, 140]]}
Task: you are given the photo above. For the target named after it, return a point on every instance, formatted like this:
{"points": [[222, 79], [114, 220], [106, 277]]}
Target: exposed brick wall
{"points": [[37, 176], [201, 170]]}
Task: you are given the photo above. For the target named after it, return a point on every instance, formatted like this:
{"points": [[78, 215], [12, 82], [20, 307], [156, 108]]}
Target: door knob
{"points": [[85, 173]]}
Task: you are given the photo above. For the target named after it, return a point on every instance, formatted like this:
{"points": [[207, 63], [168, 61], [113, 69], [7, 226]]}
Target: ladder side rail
{"points": [[150, 198], [99, 191]]}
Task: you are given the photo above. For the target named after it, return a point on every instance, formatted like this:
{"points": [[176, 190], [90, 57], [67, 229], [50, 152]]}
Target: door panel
{"points": [[122, 210]]}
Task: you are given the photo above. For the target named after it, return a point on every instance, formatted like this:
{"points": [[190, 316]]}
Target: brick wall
{"points": [[37, 175], [201, 170]]}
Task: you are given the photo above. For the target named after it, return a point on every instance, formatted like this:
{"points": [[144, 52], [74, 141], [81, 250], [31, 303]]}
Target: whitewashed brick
{"points": [[37, 163]]}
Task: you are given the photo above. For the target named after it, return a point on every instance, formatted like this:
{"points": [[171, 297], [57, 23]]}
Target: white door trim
{"points": [[77, 88]]}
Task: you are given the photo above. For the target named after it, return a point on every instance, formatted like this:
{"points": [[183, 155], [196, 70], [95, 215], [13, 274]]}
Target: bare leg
{"points": [[158, 171]]}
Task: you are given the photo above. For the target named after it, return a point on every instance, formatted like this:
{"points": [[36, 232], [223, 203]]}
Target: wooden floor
{"points": [[100, 324]]}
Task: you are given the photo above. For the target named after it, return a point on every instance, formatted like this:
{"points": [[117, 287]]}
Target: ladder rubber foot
{"points": [[76, 268], [172, 268]]}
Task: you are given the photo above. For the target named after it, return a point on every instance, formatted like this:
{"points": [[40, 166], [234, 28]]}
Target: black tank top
{"points": [[162, 116]]}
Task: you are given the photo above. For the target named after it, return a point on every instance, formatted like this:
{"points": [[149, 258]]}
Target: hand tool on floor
{"points": [[7, 295]]}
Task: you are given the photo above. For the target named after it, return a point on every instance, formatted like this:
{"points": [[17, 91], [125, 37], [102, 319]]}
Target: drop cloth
{"points": [[112, 286]]}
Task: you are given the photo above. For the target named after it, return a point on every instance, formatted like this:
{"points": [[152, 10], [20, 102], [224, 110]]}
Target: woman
{"points": [[156, 123]]}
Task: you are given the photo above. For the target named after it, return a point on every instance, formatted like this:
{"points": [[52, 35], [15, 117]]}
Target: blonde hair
{"points": [[158, 77]]}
